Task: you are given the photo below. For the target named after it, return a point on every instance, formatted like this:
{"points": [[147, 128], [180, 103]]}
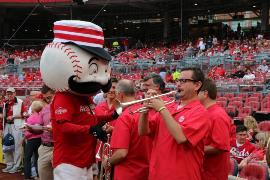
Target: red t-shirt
{"points": [[125, 136], [173, 161], [73, 144], [241, 152], [218, 166]]}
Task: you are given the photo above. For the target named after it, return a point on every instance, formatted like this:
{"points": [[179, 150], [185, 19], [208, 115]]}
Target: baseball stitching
{"points": [[77, 68]]}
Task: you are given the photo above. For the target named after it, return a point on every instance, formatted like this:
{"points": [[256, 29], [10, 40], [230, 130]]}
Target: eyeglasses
{"points": [[182, 81]]}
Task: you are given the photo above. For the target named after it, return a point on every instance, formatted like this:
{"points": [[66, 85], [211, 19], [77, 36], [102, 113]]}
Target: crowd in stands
{"points": [[159, 53], [19, 55]]}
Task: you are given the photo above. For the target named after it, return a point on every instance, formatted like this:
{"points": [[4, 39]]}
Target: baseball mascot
{"points": [[76, 66]]}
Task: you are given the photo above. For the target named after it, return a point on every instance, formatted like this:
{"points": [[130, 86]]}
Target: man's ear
{"points": [[198, 85]]}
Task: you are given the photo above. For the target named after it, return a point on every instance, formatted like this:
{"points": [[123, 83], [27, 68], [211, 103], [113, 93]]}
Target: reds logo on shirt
{"points": [[239, 154], [86, 108], [60, 110]]}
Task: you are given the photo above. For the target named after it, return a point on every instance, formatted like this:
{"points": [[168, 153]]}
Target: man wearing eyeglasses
{"points": [[178, 131], [216, 162]]}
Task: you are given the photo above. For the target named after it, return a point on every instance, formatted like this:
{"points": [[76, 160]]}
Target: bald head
{"points": [[126, 87]]}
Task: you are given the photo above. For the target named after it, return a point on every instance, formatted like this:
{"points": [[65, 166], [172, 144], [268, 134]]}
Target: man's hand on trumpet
{"points": [[156, 103], [108, 128]]}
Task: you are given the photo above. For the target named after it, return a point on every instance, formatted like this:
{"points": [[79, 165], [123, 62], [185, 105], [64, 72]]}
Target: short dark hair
{"points": [[114, 80], [157, 80], [45, 89], [240, 128], [197, 74], [210, 86]]}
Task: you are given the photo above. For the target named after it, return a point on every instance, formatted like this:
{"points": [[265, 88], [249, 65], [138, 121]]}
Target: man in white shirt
{"points": [[263, 67], [249, 76]]}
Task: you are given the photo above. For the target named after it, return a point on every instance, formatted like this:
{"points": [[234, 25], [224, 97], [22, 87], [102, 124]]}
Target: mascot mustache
{"points": [[86, 88]]}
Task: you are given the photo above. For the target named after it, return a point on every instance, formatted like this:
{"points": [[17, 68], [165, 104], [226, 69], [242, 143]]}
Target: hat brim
{"points": [[100, 52]]}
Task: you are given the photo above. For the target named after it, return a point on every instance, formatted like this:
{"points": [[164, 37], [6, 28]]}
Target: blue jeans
{"points": [[31, 148]]}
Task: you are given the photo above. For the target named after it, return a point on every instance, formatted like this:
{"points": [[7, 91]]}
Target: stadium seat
{"points": [[243, 95], [249, 99], [254, 171], [265, 109], [237, 98], [230, 109], [260, 95], [222, 103], [255, 105], [237, 104], [264, 126], [222, 99], [229, 95]]}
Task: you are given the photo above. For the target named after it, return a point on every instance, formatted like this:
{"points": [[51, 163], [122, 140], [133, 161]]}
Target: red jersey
{"points": [[173, 161], [72, 117], [217, 166], [125, 136], [241, 152]]}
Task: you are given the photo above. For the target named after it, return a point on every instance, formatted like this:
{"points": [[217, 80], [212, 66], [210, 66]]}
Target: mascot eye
{"points": [[93, 68]]}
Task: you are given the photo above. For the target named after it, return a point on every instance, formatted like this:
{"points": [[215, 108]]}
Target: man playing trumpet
{"points": [[131, 152], [178, 131]]}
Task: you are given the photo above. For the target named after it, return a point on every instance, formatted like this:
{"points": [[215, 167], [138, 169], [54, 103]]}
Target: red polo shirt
{"points": [[125, 136], [71, 120], [100, 110], [173, 161], [103, 109], [218, 166]]}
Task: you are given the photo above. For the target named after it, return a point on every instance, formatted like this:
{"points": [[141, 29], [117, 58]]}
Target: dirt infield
{"points": [[7, 176]]}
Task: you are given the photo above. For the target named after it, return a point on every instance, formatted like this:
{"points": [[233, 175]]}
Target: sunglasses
{"points": [[182, 81]]}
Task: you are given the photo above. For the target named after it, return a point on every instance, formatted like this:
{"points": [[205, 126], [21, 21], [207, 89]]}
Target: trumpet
{"points": [[120, 106], [106, 151]]}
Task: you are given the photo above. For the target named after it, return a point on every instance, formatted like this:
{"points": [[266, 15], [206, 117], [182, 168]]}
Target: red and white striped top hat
{"points": [[86, 35]]}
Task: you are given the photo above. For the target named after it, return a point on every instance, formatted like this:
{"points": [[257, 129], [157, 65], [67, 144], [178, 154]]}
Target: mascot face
{"points": [[66, 67], [75, 61]]}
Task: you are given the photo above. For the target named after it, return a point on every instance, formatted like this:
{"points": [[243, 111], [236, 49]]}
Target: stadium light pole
{"points": [[181, 22]]}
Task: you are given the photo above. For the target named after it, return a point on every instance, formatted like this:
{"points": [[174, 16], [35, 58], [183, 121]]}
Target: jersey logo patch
{"points": [[60, 111]]}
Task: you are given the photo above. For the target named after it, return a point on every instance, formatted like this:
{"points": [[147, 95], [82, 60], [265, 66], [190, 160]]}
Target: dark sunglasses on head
{"points": [[186, 80]]}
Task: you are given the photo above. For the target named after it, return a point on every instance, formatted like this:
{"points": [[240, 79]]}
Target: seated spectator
{"points": [[240, 73], [263, 67], [190, 50], [252, 126], [241, 147], [168, 77], [249, 76], [259, 154]]}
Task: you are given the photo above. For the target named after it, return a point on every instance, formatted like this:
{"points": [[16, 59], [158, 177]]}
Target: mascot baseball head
{"points": [[75, 61]]}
